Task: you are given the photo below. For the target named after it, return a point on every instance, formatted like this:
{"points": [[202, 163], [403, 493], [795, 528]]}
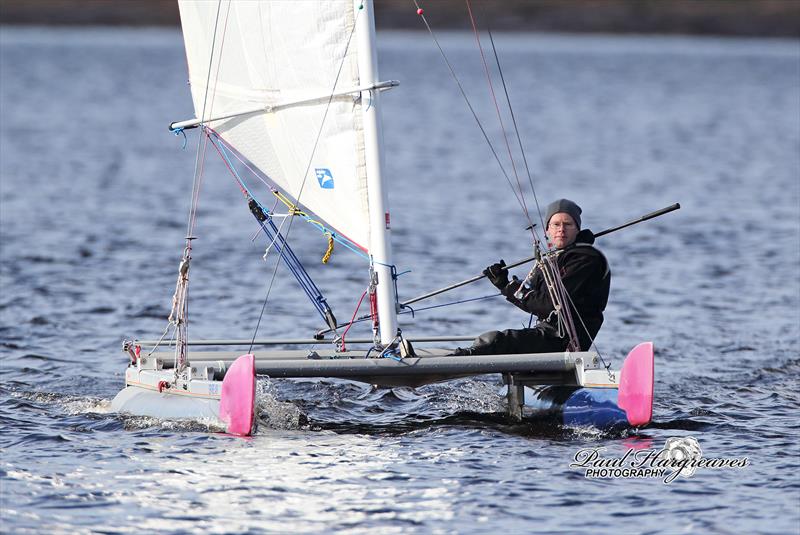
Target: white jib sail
{"points": [[244, 55]]}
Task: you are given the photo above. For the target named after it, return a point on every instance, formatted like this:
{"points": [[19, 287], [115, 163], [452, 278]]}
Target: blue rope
{"points": [[273, 234], [338, 239], [180, 131], [391, 354], [294, 264]]}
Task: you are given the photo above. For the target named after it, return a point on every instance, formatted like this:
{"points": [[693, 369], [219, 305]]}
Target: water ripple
{"points": [[92, 234]]}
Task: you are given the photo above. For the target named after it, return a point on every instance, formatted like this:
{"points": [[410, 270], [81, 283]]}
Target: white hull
{"points": [[193, 394], [144, 399]]}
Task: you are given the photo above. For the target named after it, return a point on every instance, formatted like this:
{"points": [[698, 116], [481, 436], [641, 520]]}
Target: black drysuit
{"points": [[587, 278]]}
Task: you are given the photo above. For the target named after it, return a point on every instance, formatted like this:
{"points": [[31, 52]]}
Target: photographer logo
{"points": [[680, 457]]}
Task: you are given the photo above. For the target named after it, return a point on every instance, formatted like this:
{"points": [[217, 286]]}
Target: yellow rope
{"points": [[329, 252], [294, 210]]}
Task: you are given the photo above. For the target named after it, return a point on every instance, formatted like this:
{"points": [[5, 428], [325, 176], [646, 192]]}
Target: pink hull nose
{"points": [[237, 402], [636, 385]]}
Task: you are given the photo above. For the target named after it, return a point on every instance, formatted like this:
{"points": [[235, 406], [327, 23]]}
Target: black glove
{"points": [[497, 274], [585, 236]]}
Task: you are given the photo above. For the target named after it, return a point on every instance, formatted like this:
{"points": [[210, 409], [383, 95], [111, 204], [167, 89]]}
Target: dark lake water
{"points": [[95, 195]]}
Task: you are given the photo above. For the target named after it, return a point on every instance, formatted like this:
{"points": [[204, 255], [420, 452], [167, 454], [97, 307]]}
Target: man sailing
{"points": [[585, 275]]}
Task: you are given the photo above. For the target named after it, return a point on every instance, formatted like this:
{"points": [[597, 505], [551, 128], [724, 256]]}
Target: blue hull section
{"points": [[594, 406], [574, 406]]}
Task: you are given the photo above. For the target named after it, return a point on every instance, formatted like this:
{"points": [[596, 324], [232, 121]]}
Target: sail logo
{"points": [[324, 177]]}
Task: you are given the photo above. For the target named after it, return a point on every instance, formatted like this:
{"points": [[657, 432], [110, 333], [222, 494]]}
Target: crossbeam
{"points": [[376, 367], [293, 341], [430, 366]]}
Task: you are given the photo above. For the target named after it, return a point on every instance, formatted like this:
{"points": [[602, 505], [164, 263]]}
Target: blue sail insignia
{"points": [[324, 177]]}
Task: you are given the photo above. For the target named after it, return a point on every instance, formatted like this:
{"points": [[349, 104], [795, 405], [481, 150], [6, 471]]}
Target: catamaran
{"points": [[288, 92]]}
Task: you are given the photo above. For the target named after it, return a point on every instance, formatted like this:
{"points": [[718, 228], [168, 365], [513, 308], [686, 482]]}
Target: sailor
{"points": [[586, 277]]}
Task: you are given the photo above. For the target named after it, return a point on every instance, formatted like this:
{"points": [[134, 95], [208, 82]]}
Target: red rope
{"points": [[344, 347], [373, 309], [233, 173]]}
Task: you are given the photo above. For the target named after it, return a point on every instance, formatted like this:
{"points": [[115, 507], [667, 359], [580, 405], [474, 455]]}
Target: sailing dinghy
{"points": [[289, 91]]}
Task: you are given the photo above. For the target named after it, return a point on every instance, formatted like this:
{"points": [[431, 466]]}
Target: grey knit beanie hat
{"points": [[566, 206]]}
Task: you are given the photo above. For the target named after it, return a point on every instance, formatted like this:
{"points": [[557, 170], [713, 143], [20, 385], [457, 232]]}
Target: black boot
{"points": [[462, 352]]}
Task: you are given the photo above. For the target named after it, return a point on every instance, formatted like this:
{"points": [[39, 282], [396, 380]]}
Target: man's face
{"points": [[562, 230]]}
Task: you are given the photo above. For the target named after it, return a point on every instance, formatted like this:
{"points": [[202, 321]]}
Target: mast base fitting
{"points": [[406, 349]]}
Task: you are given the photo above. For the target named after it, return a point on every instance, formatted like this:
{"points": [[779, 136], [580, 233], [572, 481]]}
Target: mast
{"points": [[380, 245]]}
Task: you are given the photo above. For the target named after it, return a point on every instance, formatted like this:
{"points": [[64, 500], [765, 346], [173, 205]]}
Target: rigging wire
{"points": [[421, 13], [516, 129], [264, 304], [559, 296], [202, 141], [499, 114], [558, 291], [520, 195], [343, 347], [586, 329], [409, 310], [555, 286], [179, 315]]}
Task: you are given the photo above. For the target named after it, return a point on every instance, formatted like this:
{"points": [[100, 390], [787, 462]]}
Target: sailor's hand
{"points": [[585, 236], [497, 274]]}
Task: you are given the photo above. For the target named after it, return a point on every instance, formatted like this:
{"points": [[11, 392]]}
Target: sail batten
{"points": [[281, 72]]}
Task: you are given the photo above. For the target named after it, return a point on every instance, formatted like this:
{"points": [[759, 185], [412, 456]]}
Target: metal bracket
{"points": [[515, 397], [580, 377]]}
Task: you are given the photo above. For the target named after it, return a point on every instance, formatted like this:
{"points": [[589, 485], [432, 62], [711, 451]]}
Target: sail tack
{"points": [[294, 60]]}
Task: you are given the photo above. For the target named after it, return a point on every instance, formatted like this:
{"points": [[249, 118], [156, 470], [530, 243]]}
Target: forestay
{"points": [[283, 57]]}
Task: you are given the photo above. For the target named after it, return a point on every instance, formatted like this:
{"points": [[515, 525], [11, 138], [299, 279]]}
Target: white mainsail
{"points": [[266, 54], [308, 68]]}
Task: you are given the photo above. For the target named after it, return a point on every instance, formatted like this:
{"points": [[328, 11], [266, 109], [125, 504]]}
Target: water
{"points": [[94, 202]]}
